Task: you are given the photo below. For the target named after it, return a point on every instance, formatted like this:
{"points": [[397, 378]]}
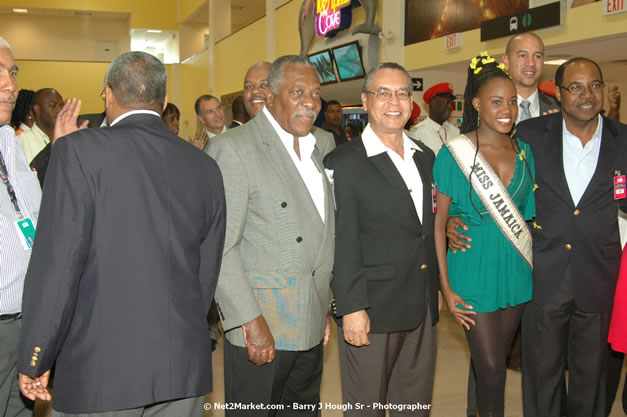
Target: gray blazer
{"points": [[278, 254], [324, 140]]}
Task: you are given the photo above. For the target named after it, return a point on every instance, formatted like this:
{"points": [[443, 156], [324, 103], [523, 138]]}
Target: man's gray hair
{"points": [[276, 70], [138, 80], [382, 66], [4, 43]]}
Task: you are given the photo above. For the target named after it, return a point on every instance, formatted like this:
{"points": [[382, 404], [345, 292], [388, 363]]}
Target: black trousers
{"points": [[554, 335], [293, 377], [396, 368]]}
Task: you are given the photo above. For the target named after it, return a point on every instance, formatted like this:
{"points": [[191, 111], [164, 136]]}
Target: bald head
{"points": [[524, 59], [256, 87], [47, 103], [522, 37]]}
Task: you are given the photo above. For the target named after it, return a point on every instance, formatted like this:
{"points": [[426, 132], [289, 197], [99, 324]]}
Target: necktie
{"points": [[525, 114]]}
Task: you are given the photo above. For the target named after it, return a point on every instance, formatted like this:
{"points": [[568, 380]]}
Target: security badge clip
{"points": [[620, 186]]}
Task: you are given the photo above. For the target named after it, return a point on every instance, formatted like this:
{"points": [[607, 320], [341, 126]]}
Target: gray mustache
{"points": [[310, 113]]}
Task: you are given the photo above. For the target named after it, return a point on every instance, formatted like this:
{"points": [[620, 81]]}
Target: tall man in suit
{"points": [[273, 294], [385, 280], [579, 153], [524, 59], [125, 262]]}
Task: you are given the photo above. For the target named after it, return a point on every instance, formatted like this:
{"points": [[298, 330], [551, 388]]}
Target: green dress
{"points": [[491, 274]]}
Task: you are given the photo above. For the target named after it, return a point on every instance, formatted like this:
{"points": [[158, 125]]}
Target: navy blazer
{"points": [[124, 267], [583, 235]]}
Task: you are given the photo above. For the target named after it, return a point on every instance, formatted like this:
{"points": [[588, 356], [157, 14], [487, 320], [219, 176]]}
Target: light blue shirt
{"points": [[580, 161], [13, 257]]}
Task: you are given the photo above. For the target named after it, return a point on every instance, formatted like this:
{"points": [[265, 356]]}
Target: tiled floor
{"points": [[449, 396]]}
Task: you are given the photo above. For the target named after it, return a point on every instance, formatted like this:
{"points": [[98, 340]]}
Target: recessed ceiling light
{"points": [[20, 10], [555, 62], [153, 31]]}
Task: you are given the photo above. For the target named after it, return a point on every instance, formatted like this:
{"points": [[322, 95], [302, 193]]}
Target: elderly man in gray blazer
{"points": [[274, 288]]}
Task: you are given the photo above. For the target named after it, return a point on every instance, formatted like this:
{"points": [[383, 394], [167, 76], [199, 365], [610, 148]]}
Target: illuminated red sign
{"points": [[328, 15]]}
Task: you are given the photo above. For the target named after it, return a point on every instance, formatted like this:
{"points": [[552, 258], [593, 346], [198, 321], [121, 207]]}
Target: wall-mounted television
{"points": [[348, 60], [324, 66]]}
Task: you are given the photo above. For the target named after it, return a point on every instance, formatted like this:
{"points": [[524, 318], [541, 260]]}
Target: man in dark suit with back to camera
{"points": [[125, 261], [385, 279], [581, 162]]}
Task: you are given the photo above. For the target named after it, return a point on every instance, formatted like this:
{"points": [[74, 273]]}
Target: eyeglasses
{"points": [[384, 94], [102, 95], [578, 89]]}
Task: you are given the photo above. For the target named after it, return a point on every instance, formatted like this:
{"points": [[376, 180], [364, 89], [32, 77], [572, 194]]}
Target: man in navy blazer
{"points": [[125, 261], [578, 154]]}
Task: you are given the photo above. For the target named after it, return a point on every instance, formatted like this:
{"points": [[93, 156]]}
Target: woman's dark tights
{"points": [[489, 341]]}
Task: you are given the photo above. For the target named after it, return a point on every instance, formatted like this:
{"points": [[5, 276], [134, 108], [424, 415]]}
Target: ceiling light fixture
{"points": [[555, 62], [15, 10], [153, 31]]}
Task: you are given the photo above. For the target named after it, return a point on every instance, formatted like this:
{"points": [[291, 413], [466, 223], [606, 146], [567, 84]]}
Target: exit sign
{"points": [[613, 7], [454, 40]]}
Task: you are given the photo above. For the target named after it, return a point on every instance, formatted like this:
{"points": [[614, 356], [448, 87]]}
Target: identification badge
{"points": [[434, 199], [620, 187], [26, 232]]}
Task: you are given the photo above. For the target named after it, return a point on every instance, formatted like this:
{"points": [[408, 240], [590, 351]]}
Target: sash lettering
{"points": [[493, 194]]}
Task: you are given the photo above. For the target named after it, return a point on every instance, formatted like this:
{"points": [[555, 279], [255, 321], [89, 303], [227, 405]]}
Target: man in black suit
{"points": [[385, 278], [578, 155], [126, 260], [240, 115]]}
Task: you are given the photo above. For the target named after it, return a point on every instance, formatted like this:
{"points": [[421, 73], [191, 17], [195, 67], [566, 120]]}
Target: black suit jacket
{"points": [[124, 267], [94, 119], [235, 124], [590, 228], [384, 257], [547, 102]]}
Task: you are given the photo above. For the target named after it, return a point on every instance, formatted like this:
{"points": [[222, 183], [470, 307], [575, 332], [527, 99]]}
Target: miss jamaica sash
{"points": [[493, 195]]}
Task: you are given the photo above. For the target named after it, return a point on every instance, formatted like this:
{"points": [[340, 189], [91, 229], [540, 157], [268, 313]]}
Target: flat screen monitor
{"points": [[348, 60], [324, 66]]}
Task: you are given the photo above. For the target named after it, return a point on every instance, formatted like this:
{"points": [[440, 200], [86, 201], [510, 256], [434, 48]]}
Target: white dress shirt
{"points": [[432, 134], [13, 257], [534, 105], [580, 161], [211, 137], [308, 171], [33, 141], [405, 166], [132, 112]]}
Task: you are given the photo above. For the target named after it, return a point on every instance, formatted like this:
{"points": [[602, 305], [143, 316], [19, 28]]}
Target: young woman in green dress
{"points": [[486, 286]]}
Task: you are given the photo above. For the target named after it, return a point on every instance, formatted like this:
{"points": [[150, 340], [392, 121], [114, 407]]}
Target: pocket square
{"points": [[329, 173]]}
